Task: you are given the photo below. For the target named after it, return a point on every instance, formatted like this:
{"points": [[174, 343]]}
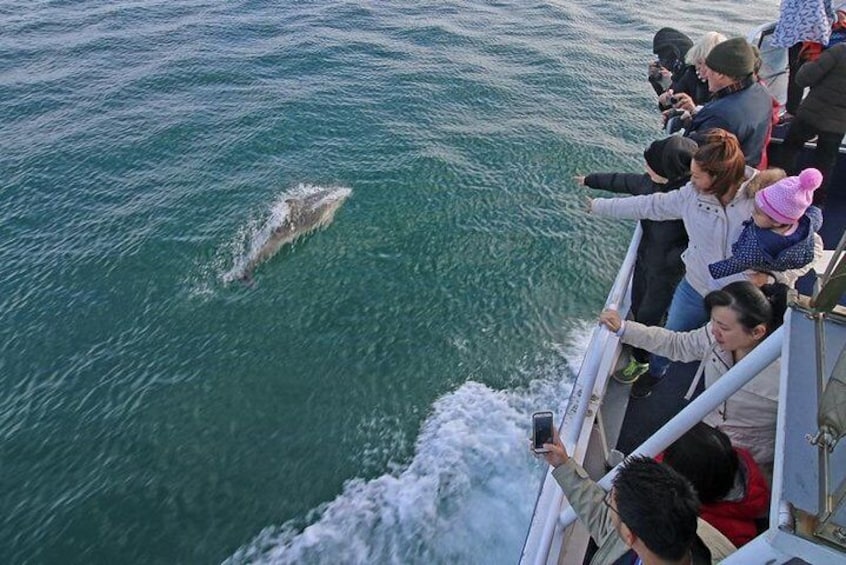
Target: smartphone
{"points": [[541, 430]]}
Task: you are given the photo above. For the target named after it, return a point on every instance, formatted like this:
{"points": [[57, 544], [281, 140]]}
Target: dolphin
{"points": [[305, 214]]}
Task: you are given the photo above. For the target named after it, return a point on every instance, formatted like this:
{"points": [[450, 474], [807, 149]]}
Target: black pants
{"points": [[794, 91], [652, 292], [825, 156]]}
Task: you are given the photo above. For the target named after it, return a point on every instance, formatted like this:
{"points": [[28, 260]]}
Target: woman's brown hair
{"points": [[721, 157]]}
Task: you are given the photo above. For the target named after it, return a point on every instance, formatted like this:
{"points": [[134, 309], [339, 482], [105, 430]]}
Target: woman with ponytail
{"points": [[741, 317], [713, 206]]}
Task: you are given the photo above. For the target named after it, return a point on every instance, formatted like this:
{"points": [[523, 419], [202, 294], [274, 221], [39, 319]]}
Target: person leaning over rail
{"points": [[670, 46], [741, 317], [650, 515], [713, 206], [659, 266]]}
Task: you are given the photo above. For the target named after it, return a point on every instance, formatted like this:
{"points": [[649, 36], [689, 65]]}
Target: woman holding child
{"points": [[713, 206]]}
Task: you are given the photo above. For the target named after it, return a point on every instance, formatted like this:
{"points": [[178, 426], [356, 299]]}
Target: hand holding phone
{"points": [[542, 424]]}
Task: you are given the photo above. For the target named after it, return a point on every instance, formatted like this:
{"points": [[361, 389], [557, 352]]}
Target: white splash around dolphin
{"points": [[293, 214]]}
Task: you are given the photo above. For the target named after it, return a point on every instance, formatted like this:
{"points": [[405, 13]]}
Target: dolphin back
{"points": [[300, 215]]}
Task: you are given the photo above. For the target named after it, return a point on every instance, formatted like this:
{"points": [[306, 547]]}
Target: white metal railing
{"points": [[585, 383], [748, 368]]}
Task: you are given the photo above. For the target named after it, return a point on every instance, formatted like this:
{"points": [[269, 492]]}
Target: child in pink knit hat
{"points": [[780, 234]]}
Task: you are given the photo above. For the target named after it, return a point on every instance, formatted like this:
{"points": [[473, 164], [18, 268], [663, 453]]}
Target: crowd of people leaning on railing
{"points": [[725, 235]]}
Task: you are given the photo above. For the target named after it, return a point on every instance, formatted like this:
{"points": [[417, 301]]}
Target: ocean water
{"points": [[367, 400]]}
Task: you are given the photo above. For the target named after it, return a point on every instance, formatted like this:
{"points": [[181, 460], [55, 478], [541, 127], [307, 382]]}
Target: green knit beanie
{"points": [[733, 57]]}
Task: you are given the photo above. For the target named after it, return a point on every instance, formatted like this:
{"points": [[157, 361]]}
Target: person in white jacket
{"points": [[742, 316], [713, 207]]}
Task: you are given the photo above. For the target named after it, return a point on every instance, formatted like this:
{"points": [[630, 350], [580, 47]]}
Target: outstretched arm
{"points": [[657, 206], [677, 346], [621, 183]]}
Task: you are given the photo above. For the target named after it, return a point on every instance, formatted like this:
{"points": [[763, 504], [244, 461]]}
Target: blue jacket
{"points": [[747, 252], [747, 114]]}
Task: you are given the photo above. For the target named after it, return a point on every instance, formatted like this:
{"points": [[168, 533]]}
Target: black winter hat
{"points": [[734, 58], [671, 44], [670, 157]]}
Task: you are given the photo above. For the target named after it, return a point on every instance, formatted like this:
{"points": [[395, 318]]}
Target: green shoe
{"points": [[631, 372]]}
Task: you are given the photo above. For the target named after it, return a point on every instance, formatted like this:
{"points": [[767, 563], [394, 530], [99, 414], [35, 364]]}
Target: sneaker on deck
{"points": [[644, 385], [631, 372]]}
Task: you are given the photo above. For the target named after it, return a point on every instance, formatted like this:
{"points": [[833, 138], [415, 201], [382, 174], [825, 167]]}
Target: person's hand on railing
{"points": [[611, 320]]}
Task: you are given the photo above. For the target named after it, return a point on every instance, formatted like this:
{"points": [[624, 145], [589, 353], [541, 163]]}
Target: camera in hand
{"points": [[541, 430]]}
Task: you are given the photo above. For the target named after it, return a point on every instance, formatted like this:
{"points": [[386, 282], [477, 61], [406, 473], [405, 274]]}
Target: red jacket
{"points": [[736, 519]]}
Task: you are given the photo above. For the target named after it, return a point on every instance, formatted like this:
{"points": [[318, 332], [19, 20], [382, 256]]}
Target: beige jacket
{"points": [[748, 417], [712, 228], [585, 496]]}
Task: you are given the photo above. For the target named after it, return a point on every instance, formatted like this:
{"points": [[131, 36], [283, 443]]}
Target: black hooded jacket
{"points": [[662, 243], [670, 45]]}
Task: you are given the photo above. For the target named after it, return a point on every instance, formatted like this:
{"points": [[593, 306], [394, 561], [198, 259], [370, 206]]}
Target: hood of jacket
{"points": [[670, 44]]}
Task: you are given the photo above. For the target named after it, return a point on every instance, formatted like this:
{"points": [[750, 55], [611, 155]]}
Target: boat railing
{"points": [[582, 395], [774, 67], [736, 377], [558, 514]]}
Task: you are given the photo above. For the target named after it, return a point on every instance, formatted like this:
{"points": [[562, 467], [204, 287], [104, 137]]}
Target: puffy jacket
{"points": [[825, 106], [711, 227], [748, 417], [746, 113], [748, 253], [735, 518]]}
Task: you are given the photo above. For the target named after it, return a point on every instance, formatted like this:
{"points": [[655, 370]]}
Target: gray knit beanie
{"points": [[733, 57]]}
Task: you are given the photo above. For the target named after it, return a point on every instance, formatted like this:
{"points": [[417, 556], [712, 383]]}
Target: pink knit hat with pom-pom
{"points": [[786, 200]]}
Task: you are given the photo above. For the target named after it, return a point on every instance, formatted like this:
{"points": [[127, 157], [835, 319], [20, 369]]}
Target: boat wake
{"points": [[466, 497]]}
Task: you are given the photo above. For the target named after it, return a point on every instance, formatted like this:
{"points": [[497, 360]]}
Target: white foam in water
{"points": [[466, 496], [250, 240]]}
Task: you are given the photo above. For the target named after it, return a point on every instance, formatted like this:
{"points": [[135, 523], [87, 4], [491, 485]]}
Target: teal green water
{"points": [[376, 382]]}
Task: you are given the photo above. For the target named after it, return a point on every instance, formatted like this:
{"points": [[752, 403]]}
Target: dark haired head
{"points": [[658, 505], [754, 306], [720, 156], [705, 457]]}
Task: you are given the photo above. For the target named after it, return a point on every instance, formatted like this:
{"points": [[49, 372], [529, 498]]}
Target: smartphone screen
{"points": [[541, 430]]}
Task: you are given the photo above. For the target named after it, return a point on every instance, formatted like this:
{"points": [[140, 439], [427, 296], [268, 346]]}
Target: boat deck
{"points": [[644, 416]]}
